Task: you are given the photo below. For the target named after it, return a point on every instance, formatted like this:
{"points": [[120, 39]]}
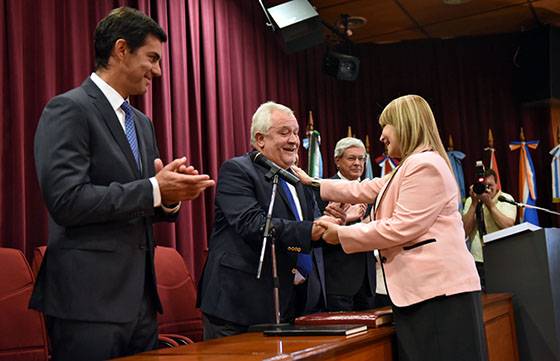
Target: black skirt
{"points": [[445, 328]]}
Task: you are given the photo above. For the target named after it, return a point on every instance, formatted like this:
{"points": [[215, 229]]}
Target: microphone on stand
{"points": [[523, 205], [274, 168], [506, 200]]}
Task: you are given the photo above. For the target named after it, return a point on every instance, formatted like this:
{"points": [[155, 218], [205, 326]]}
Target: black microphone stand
{"points": [[268, 234]]}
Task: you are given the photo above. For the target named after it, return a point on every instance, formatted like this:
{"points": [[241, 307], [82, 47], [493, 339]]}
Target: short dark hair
{"points": [[490, 172], [123, 23]]}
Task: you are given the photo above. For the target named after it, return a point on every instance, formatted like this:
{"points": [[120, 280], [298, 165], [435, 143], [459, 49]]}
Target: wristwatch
{"points": [[315, 182]]}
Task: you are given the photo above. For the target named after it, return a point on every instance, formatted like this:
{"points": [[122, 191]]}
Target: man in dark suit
{"points": [[350, 278], [104, 185], [230, 295]]}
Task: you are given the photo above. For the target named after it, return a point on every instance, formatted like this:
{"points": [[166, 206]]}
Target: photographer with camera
{"points": [[484, 214]]}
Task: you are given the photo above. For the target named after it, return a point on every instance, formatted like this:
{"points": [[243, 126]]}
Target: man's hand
{"points": [[330, 230], [355, 212], [319, 226], [347, 213], [316, 232], [473, 195], [337, 210], [484, 197], [179, 182]]}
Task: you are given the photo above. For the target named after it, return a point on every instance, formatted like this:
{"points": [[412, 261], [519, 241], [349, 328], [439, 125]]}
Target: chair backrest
{"points": [[38, 255], [177, 292], [23, 334]]}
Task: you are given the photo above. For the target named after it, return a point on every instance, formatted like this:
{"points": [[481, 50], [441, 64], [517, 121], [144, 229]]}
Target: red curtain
{"points": [[219, 64]]}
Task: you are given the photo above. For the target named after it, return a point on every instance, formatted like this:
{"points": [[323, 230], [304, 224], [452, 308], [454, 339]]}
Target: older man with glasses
{"points": [[350, 278]]}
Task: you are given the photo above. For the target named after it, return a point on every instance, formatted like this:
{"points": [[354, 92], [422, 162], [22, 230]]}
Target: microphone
{"points": [[260, 159], [504, 199], [523, 205]]}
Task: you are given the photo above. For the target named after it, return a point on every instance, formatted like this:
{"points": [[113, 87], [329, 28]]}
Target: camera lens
{"points": [[479, 188]]}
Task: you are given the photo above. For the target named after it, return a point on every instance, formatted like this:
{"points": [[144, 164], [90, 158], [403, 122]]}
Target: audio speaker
{"points": [[298, 25], [537, 73], [341, 66]]}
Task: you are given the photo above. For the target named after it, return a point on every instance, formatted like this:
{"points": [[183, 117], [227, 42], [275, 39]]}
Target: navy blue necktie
{"points": [[130, 132], [304, 262]]}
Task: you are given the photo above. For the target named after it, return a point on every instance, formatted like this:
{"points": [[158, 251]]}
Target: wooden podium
{"points": [[528, 265]]}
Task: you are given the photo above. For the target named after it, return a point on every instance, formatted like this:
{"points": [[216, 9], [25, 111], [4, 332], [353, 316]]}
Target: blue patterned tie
{"points": [[130, 132], [304, 262]]}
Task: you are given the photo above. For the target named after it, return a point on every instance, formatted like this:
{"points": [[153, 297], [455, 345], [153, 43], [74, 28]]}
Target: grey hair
{"points": [[262, 118], [346, 143]]}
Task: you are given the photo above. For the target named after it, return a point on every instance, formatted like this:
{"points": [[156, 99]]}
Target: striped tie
{"points": [[130, 132]]}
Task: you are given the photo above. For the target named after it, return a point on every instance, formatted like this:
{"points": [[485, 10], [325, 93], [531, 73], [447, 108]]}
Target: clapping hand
{"points": [[179, 182], [337, 210]]}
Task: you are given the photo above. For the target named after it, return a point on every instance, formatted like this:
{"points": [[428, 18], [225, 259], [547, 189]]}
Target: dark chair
{"points": [[177, 292], [23, 335]]}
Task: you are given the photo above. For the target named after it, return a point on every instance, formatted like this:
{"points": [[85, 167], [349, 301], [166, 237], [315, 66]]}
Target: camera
{"points": [[479, 187]]}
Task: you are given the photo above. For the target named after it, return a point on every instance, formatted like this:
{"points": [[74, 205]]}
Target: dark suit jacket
{"points": [[100, 246], [229, 288], [344, 272]]}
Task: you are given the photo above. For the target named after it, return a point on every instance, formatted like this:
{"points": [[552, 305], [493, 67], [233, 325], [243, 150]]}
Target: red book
{"points": [[371, 318]]}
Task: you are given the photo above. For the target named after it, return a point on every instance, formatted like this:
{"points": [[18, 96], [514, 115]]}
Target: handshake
{"points": [[179, 182], [336, 215]]}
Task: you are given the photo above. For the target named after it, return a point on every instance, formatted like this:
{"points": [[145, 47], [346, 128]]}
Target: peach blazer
{"points": [[416, 227]]}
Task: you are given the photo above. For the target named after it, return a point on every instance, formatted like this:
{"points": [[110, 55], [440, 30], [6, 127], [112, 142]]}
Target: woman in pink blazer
{"points": [[430, 275]]}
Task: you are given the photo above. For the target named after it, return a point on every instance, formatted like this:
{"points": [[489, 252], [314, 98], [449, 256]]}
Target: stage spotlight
{"points": [[297, 23]]}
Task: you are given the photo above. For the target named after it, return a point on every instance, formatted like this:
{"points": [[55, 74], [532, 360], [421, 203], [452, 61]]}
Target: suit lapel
{"points": [[302, 201], [111, 121], [142, 145], [382, 192]]}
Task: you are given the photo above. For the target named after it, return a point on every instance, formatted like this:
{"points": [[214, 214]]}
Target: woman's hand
{"points": [[330, 233], [303, 177]]}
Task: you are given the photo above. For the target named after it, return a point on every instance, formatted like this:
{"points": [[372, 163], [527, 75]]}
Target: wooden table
{"points": [[374, 345]]}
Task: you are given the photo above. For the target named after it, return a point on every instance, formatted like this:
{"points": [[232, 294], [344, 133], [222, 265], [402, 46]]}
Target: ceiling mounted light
{"points": [[347, 23]]}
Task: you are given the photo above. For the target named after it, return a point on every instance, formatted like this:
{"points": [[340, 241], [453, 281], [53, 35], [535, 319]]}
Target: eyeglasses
{"points": [[353, 159]]}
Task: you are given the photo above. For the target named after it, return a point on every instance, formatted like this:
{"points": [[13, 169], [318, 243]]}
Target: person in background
{"points": [[230, 295], [483, 214], [431, 277], [350, 278], [104, 185]]}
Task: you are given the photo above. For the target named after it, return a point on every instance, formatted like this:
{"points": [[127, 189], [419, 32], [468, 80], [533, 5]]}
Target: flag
{"points": [[527, 178], [368, 174], [386, 164], [493, 163], [555, 168], [312, 143], [455, 158]]}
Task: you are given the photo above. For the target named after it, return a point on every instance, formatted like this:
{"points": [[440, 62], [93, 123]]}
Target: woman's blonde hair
{"points": [[415, 125]]}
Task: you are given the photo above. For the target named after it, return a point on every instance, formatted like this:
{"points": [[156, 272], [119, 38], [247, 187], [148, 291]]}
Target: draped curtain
{"points": [[219, 64]]}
